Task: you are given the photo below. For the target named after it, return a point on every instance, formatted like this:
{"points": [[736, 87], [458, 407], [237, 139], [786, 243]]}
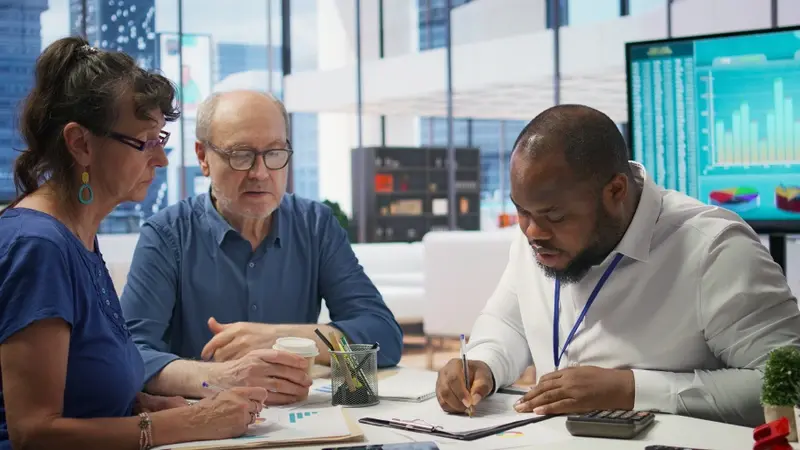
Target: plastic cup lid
{"points": [[297, 345]]}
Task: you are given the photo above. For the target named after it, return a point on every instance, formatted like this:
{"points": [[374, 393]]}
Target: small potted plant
{"points": [[779, 392]]}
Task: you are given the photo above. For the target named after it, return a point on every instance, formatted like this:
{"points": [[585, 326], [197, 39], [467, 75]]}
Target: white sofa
{"points": [[396, 270], [462, 269]]}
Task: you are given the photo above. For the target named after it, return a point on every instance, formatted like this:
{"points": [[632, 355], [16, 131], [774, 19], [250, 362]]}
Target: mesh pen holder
{"points": [[354, 376]]}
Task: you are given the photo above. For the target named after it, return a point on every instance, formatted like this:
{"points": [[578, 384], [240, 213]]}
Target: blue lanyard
{"points": [[557, 303]]}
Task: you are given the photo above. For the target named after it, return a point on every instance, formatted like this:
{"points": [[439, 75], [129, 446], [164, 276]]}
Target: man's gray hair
{"points": [[206, 110]]}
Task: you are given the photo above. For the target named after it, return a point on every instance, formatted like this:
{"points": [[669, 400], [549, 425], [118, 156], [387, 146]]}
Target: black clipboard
{"points": [[419, 426]]}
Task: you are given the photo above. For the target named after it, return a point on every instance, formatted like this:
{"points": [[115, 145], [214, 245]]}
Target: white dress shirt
{"points": [[693, 308]]}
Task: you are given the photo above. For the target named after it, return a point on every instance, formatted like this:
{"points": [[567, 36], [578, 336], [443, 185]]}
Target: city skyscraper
{"points": [[122, 25], [20, 45], [127, 26]]}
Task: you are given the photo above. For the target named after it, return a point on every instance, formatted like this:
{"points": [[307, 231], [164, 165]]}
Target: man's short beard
{"points": [[226, 205], [607, 233]]}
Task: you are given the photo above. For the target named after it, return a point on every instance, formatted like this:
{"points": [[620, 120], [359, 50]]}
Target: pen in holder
{"points": [[354, 375]]}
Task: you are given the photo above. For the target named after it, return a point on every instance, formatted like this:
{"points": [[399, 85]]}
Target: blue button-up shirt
{"points": [[190, 264]]}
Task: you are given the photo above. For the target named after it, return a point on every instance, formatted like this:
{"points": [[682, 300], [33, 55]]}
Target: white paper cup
{"points": [[304, 347]]}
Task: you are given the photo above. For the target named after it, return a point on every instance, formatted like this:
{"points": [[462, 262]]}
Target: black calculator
{"points": [[614, 424]]}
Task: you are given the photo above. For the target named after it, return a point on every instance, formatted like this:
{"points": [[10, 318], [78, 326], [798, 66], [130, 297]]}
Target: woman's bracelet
{"points": [[145, 431]]}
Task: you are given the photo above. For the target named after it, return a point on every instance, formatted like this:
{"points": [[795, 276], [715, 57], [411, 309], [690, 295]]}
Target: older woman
{"points": [[71, 375]]}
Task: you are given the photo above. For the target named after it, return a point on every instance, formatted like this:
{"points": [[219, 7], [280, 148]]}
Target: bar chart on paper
{"points": [[295, 417]]}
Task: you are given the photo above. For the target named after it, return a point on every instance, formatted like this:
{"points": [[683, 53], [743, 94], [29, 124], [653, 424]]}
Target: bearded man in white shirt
{"points": [[622, 294]]}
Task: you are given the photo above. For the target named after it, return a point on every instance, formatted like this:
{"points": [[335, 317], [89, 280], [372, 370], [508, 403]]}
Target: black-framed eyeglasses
{"points": [[244, 158], [138, 144]]}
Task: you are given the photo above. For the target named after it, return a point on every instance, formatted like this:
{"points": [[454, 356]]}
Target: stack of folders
{"points": [[407, 385]]}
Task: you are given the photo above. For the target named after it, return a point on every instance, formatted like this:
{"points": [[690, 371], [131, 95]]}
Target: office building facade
{"points": [[122, 25], [20, 45], [126, 26]]}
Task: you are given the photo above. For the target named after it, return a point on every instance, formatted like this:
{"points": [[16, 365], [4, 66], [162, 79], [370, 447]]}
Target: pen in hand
{"points": [[466, 373], [213, 387]]}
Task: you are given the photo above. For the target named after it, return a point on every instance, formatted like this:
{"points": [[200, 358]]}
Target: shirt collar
{"points": [[636, 241], [220, 227]]}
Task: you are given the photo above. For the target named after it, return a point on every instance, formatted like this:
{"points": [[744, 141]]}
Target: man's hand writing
{"points": [[580, 389], [451, 389], [234, 340]]}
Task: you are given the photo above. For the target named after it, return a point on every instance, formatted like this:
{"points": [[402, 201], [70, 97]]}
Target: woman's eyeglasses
{"points": [[138, 144], [245, 158]]}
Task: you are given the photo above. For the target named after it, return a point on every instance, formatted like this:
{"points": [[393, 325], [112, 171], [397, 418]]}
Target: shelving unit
{"points": [[406, 191]]}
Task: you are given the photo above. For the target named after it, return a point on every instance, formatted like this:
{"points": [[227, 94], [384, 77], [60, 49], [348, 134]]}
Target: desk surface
{"points": [[552, 433]]}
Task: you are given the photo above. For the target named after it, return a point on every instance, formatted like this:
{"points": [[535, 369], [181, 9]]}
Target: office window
{"points": [[305, 130], [643, 6], [220, 53], [135, 27], [587, 11], [433, 22], [22, 37], [479, 133], [305, 160], [563, 12]]}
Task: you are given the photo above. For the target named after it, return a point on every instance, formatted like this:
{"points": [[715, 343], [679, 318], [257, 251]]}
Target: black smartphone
{"points": [[401, 446]]}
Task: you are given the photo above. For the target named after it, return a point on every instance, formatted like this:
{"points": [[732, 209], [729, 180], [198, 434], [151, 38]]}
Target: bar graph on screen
{"points": [[751, 122]]}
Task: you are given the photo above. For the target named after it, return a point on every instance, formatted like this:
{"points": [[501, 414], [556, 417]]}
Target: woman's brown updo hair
{"points": [[78, 83]]}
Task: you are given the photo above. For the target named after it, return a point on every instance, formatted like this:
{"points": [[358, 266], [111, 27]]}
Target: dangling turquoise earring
{"points": [[85, 187]]}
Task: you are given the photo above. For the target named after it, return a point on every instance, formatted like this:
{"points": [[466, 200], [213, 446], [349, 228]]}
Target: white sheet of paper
{"points": [[495, 410], [319, 396], [284, 425], [408, 384]]}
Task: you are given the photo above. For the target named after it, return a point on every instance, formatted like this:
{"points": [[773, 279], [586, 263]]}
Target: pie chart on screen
{"points": [[737, 199], [787, 198]]}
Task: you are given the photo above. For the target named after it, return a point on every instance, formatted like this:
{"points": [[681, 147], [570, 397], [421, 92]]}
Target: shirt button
{"points": [[103, 291], [254, 307], [252, 264], [108, 302], [124, 327], [116, 316]]}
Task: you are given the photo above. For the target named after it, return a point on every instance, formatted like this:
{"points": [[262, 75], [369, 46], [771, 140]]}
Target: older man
{"points": [[623, 294], [221, 276]]}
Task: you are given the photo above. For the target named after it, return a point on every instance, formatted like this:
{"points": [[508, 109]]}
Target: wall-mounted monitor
{"points": [[718, 118]]}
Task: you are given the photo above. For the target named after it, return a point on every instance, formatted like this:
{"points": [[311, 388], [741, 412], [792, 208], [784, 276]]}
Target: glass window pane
{"points": [[586, 11], [136, 28], [225, 46], [643, 6], [26, 27], [304, 45]]}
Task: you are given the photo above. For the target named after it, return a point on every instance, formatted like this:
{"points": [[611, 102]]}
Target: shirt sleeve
{"points": [[355, 305], [498, 336], [149, 296], [745, 311], [36, 285]]}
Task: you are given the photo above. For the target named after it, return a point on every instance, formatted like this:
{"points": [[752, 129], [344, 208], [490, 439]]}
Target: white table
{"points": [[552, 433]]}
